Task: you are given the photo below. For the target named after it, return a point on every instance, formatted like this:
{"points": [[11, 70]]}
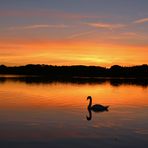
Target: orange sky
{"points": [[58, 34], [71, 52]]}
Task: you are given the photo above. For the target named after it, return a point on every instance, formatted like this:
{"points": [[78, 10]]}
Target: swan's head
{"points": [[89, 97]]}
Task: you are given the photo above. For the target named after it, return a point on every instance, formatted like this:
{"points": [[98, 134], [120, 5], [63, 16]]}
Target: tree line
{"points": [[76, 70]]}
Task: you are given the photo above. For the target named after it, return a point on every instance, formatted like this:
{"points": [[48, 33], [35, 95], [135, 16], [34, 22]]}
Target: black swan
{"points": [[96, 107]]}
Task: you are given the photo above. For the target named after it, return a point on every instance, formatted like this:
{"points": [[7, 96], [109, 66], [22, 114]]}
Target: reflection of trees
{"points": [[100, 81], [137, 75], [2, 80]]}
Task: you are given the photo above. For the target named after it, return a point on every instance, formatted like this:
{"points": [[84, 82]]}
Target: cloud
{"points": [[39, 26], [143, 20], [80, 34], [105, 25]]}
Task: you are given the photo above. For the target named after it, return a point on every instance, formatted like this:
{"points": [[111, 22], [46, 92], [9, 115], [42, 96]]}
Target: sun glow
{"points": [[70, 52]]}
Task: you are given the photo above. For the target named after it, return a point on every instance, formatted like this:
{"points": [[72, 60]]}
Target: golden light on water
{"points": [[58, 95]]}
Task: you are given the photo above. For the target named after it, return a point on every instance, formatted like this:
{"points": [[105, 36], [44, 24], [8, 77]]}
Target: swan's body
{"points": [[96, 107]]}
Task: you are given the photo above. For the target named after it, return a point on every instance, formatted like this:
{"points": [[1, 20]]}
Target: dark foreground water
{"points": [[53, 114]]}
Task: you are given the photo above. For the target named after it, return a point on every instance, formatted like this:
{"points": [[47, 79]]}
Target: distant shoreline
{"points": [[77, 71]]}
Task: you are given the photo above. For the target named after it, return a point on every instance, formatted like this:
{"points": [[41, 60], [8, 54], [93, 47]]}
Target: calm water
{"points": [[54, 114]]}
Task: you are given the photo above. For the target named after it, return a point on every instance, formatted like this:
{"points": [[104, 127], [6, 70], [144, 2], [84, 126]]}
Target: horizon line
{"points": [[74, 65]]}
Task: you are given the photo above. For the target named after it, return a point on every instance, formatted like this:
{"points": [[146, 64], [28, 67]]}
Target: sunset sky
{"points": [[74, 32]]}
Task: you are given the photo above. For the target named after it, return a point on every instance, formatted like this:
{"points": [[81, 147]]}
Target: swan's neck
{"points": [[90, 102]]}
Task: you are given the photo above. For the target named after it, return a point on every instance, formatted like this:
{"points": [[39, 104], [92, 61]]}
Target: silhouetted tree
{"points": [[77, 71]]}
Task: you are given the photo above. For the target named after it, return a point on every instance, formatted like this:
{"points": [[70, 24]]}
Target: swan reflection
{"points": [[95, 108]]}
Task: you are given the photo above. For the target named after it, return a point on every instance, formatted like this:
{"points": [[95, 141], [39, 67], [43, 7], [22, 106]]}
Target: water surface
{"points": [[54, 114]]}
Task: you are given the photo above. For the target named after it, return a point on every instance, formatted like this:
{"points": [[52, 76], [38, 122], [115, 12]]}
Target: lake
{"points": [[37, 114]]}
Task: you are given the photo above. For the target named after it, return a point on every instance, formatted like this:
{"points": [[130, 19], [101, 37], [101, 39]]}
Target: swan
{"points": [[96, 107]]}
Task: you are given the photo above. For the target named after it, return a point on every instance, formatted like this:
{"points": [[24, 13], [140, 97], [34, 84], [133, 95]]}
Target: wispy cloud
{"points": [[105, 25], [39, 26], [143, 20], [80, 34]]}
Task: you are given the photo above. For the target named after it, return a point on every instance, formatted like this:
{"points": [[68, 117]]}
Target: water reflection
{"points": [[89, 117], [95, 108], [54, 114], [77, 80]]}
